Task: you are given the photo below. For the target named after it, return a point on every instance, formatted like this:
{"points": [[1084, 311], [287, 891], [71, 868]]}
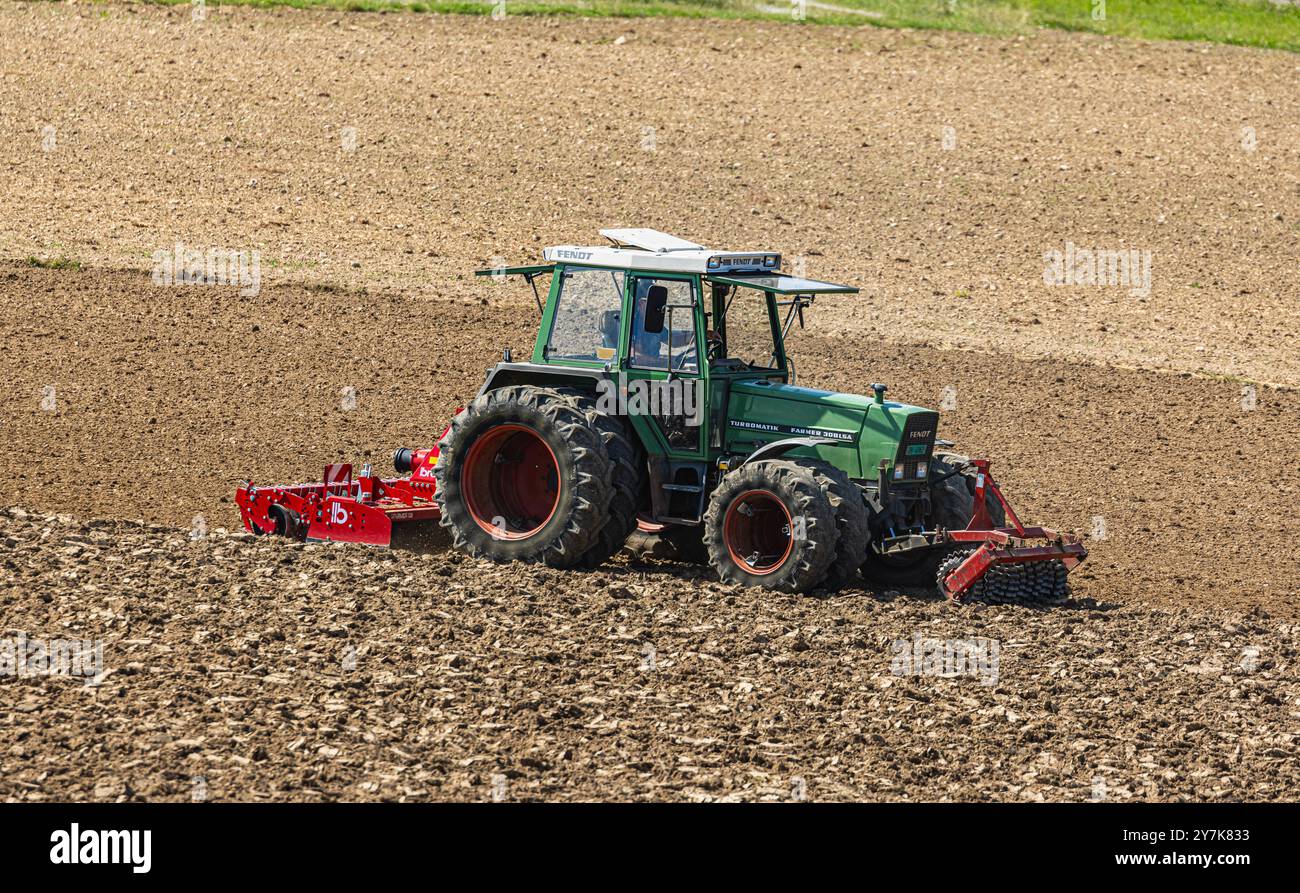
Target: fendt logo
{"points": [[568, 254], [921, 435]]}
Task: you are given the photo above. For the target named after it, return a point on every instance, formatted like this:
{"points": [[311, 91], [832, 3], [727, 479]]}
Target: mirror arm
{"points": [[531, 277]]}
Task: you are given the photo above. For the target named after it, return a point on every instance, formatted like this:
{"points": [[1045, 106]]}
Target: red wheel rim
{"points": [[511, 482], [758, 532]]}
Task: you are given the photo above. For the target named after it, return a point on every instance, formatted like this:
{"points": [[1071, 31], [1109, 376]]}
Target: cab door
{"points": [[665, 368], [665, 364]]}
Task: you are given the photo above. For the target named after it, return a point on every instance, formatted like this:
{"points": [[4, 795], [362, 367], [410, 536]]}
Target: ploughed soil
{"points": [[243, 669], [1161, 426], [933, 170]]}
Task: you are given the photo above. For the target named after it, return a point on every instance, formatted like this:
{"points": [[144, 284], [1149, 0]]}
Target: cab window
{"points": [[669, 341], [748, 330], [587, 312]]}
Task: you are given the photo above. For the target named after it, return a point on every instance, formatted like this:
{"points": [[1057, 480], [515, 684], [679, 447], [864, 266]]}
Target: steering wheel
{"points": [[713, 344]]}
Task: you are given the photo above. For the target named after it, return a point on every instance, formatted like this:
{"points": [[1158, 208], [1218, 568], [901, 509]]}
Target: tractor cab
{"points": [[652, 301]]}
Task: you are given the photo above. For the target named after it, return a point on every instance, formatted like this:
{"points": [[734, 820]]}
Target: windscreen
{"points": [[749, 329]]}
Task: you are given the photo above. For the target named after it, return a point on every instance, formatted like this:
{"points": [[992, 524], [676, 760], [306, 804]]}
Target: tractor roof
{"points": [[648, 249]]}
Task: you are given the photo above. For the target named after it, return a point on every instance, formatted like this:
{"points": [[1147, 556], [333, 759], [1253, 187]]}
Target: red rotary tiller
{"points": [[1006, 564], [343, 508]]}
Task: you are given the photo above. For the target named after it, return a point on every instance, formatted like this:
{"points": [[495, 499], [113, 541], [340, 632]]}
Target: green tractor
{"points": [[659, 413]]}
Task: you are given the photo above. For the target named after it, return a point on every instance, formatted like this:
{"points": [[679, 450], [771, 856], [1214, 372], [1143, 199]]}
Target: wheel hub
{"points": [[511, 482], [757, 531]]}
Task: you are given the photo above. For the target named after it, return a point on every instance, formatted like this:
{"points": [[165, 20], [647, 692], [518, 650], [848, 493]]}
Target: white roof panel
{"points": [[649, 240], [693, 260], [660, 251]]}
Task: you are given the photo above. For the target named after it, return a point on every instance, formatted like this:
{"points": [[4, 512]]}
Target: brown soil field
{"points": [[1171, 673], [165, 398], [281, 672], [476, 139]]}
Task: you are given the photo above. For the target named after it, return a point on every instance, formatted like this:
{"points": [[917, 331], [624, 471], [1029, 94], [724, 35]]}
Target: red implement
{"points": [[343, 508], [1003, 546]]}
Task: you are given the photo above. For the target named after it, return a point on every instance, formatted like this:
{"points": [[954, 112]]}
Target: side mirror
{"points": [[656, 301]]}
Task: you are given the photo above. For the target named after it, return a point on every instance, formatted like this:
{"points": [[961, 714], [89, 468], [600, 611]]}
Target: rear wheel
{"points": [[523, 476], [771, 524]]}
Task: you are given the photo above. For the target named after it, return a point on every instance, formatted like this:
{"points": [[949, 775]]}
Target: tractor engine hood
{"points": [[867, 432]]}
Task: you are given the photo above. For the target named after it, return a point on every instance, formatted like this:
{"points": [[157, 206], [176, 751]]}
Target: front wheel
{"points": [[771, 524], [952, 502]]}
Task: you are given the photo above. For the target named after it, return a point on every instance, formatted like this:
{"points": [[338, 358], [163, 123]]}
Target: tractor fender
{"points": [[779, 448], [542, 375]]}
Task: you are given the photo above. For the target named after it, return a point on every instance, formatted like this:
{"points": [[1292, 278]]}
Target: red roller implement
{"points": [[1016, 544]]}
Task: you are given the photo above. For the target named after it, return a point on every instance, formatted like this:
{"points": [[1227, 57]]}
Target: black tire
{"points": [[627, 464], [851, 518], [677, 542], [953, 497], [912, 570], [496, 482], [688, 542], [288, 523], [952, 501], [771, 524]]}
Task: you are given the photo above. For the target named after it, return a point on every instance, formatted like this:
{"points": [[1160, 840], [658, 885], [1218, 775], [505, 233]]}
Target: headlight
{"points": [[770, 260], [921, 470], [714, 263], [898, 472]]}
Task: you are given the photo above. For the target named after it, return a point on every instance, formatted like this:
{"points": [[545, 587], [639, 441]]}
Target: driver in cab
{"points": [[651, 336]]}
